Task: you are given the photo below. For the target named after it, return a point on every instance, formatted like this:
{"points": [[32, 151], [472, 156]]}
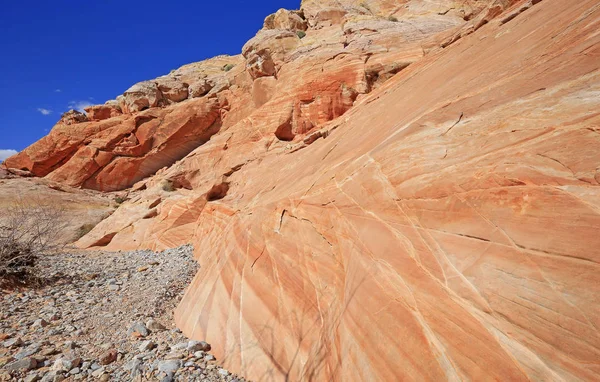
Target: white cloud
{"points": [[58, 91], [79, 105], [6, 153], [44, 111]]}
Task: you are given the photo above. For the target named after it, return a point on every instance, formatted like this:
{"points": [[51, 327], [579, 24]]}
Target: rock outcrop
{"points": [[419, 178]]}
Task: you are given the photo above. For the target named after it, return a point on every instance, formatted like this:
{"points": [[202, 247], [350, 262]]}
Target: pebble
{"points": [[13, 342], [194, 346], [138, 329], [170, 366], [25, 364], [108, 357], [147, 346], [154, 325], [40, 323]]}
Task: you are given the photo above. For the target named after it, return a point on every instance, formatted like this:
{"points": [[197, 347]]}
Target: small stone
{"points": [[13, 342], [210, 357], [113, 287], [50, 376], [199, 354], [176, 355], [147, 346], [98, 372], [194, 346], [66, 363], [154, 325], [95, 366], [138, 329], [170, 366], [223, 372], [105, 377], [48, 352], [40, 323], [22, 364], [75, 371], [32, 378], [28, 351], [108, 357], [143, 268], [180, 346], [5, 360]]}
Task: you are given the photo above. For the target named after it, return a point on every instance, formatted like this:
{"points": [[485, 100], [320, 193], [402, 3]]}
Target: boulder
{"points": [[72, 117], [200, 88], [266, 52], [287, 20], [172, 89], [141, 96]]}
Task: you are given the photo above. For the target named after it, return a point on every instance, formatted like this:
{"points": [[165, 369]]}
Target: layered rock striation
{"points": [[404, 190]]}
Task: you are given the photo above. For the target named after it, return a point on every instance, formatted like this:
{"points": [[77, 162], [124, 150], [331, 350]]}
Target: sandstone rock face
{"points": [[100, 112], [115, 153], [426, 186]]}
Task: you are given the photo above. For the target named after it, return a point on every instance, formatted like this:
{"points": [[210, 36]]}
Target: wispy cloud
{"points": [[6, 153], [44, 111], [58, 91], [79, 105]]}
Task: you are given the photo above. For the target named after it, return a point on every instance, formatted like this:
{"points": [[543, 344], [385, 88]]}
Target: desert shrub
{"points": [[28, 229], [393, 18], [301, 34], [167, 185], [228, 67], [120, 200]]}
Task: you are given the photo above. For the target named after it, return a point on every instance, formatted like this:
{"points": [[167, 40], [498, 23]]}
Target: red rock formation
{"points": [[100, 112], [384, 200]]}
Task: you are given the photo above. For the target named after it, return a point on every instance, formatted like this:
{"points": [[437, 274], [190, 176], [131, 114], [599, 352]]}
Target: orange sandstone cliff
{"points": [[375, 190]]}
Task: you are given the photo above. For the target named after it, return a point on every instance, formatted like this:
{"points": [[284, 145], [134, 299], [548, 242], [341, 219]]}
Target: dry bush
{"points": [[28, 229]]}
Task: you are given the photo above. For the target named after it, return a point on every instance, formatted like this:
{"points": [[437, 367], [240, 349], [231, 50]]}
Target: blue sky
{"points": [[62, 54]]}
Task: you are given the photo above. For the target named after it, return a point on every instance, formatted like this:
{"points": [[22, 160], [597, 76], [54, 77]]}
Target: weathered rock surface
{"points": [[100, 112], [72, 117], [427, 186]]}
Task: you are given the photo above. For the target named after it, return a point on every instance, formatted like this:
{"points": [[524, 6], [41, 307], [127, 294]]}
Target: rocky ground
{"points": [[104, 316]]}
